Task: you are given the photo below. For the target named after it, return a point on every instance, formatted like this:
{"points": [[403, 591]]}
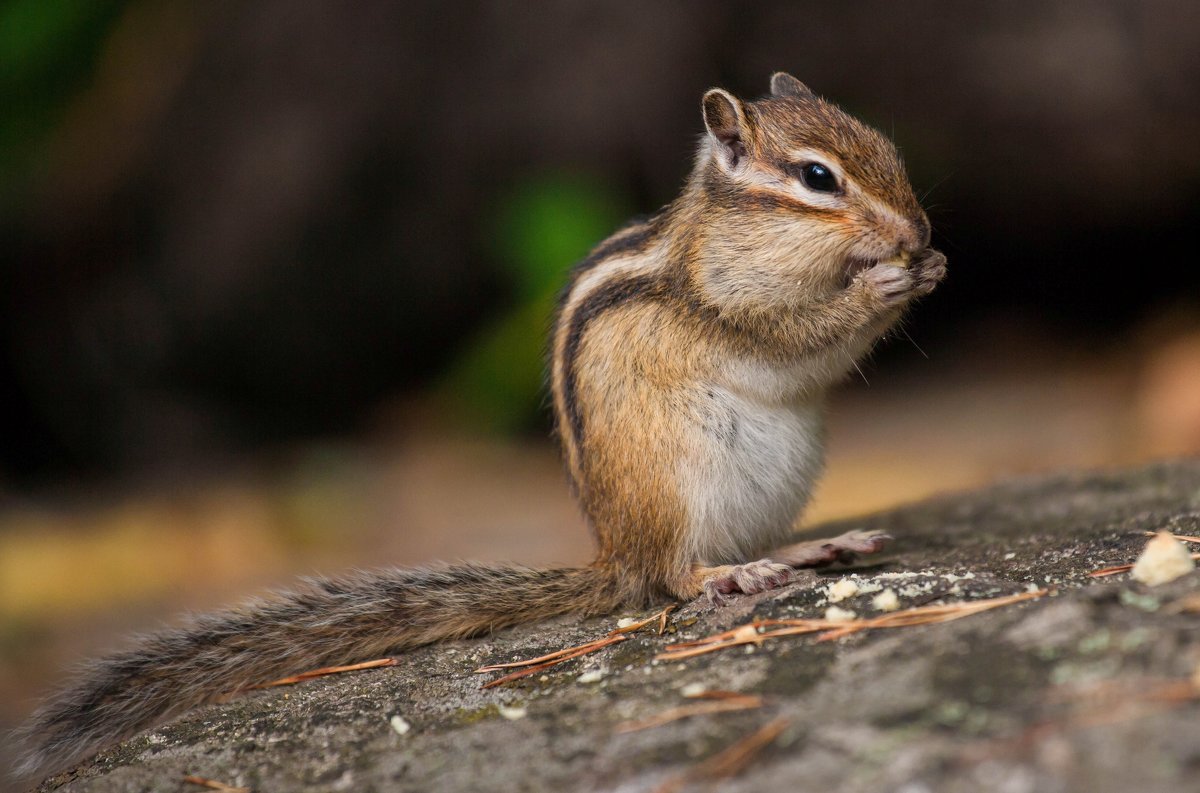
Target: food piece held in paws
{"points": [[900, 260]]}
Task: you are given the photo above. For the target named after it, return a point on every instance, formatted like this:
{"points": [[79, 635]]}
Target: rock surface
{"points": [[1082, 690]]}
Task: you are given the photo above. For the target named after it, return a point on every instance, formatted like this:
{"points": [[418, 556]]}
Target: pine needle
{"points": [[322, 672], [1121, 568], [660, 617], [555, 658], [758, 631], [213, 784], [548, 660]]}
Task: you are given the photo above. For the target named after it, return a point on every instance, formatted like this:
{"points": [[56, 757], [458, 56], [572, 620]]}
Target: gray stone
{"points": [[991, 702]]}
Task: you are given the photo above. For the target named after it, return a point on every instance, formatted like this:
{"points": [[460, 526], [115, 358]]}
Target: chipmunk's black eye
{"points": [[817, 177]]}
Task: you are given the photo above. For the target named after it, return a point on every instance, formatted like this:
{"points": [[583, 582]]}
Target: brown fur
{"points": [[627, 351], [689, 363]]}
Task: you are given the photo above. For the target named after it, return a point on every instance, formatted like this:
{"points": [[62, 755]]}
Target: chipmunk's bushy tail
{"points": [[327, 622]]}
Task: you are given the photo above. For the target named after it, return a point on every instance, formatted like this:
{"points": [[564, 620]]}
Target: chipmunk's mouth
{"points": [[856, 264]]}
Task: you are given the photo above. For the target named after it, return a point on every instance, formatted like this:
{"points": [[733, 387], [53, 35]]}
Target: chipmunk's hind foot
{"points": [[747, 579]]}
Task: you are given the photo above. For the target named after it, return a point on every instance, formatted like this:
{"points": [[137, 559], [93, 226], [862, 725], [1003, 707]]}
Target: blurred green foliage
{"points": [[539, 231], [50, 52], [48, 49], [550, 223]]}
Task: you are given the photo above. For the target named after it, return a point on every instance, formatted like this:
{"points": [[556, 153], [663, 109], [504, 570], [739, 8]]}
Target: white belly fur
{"points": [[749, 474]]}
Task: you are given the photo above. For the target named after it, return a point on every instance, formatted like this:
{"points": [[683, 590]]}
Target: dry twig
{"points": [[758, 631]]}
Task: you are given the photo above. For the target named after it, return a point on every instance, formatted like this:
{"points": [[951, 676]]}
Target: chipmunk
{"points": [[689, 365]]}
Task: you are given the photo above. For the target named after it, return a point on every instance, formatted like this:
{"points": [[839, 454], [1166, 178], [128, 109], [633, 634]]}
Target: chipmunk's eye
{"points": [[818, 177]]}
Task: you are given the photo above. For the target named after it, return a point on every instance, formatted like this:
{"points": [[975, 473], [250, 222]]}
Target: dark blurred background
{"points": [[275, 275]]}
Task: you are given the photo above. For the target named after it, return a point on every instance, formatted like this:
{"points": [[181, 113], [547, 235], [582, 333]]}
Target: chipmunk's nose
{"points": [[907, 231]]}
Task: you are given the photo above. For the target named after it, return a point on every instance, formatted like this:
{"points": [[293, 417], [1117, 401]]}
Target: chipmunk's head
{"points": [[806, 193]]}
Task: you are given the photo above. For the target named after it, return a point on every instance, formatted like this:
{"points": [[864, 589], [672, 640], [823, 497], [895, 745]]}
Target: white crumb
{"points": [[841, 589], [512, 714], [591, 676], [692, 690], [886, 600], [399, 724], [1163, 559], [625, 622], [837, 614], [867, 587]]}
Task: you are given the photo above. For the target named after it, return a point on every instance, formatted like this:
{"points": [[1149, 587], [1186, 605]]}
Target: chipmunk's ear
{"points": [[726, 122], [783, 84]]}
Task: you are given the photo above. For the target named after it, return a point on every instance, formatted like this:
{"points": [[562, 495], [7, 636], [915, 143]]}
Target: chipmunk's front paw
{"points": [[844, 548], [928, 269], [748, 579], [886, 284]]}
